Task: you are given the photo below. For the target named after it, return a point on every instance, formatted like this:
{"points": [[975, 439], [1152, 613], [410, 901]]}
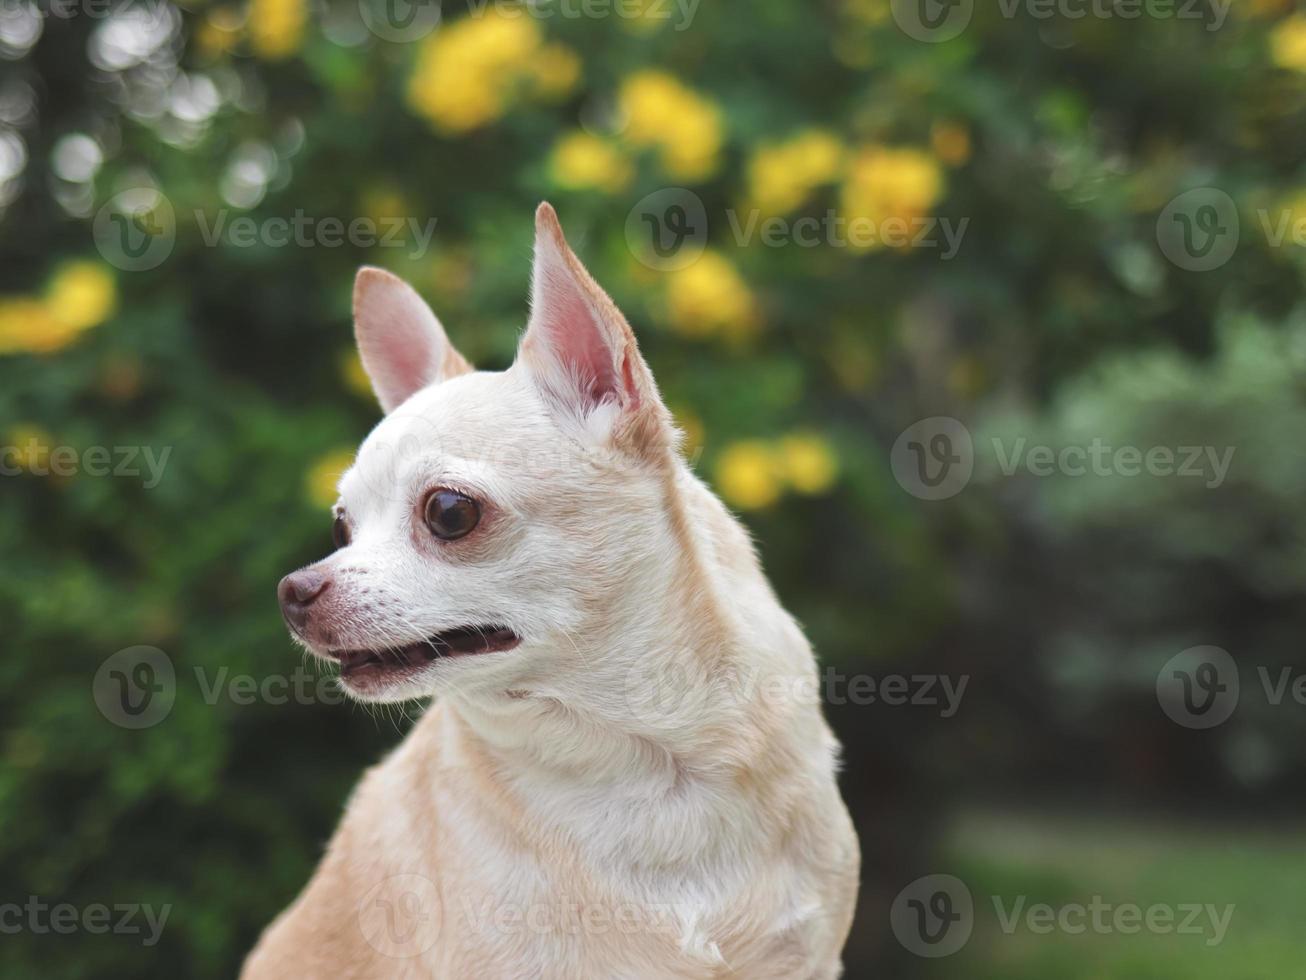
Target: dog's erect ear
{"points": [[582, 353], [402, 344]]}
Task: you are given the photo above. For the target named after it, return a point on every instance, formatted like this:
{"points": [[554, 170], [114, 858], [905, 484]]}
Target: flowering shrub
{"points": [[265, 137]]}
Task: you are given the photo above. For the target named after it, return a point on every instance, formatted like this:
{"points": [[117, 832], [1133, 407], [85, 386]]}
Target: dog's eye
{"points": [[340, 531], [450, 514]]}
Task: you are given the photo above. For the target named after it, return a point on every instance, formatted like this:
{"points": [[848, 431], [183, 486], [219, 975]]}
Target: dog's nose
{"points": [[297, 592]]}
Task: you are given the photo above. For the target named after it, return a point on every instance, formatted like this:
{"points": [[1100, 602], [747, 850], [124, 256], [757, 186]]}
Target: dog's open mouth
{"points": [[393, 661]]}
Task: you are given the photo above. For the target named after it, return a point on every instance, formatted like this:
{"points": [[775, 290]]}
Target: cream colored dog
{"points": [[625, 772]]}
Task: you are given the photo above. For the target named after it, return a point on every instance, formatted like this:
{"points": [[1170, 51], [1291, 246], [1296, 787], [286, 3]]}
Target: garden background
{"points": [[1077, 306]]}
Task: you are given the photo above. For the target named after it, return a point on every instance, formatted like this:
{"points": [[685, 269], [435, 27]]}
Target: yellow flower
{"points": [[1288, 43], [951, 143], [30, 446], [870, 12], [693, 430], [26, 324], [1293, 207], [355, 378], [555, 70], [1265, 8], [710, 297], [469, 73], [781, 176], [582, 161], [219, 32], [644, 16], [885, 183], [324, 477], [809, 463], [966, 376], [684, 127], [851, 359], [383, 204], [852, 48], [452, 272], [748, 475], [276, 27], [82, 294]]}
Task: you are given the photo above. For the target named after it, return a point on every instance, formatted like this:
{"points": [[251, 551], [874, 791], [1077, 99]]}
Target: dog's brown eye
{"points": [[450, 514], [340, 531]]}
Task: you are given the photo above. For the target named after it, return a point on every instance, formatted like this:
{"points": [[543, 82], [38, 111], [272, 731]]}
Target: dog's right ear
{"points": [[401, 343], [583, 356]]}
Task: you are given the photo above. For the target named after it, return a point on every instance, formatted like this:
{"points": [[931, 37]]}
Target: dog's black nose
{"points": [[297, 592]]}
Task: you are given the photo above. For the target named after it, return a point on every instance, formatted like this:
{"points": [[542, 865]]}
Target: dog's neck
{"points": [[666, 722]]}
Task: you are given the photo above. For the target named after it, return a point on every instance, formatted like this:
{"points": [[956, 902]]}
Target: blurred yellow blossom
{"points": [[852, 48], [692, 428], [30, 446], [469, 73], [887, 183], [748, 474], [1288, 43], [753, 473], [452, 272], [383, 204], [581, 160], [646, 16], [324, 476], [26, 324], [966, 376], [950, 142], [870, 12], [809, 463], [662, 113], [709, 297], [1293, 207], [852, 360], [1264, 8], [82, 294], [555, 69], [24, 749], [220, 31], [782, 175], [276, 27], [355, 378]]}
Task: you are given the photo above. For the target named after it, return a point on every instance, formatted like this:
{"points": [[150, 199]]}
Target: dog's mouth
{"points": [[392, 663]]}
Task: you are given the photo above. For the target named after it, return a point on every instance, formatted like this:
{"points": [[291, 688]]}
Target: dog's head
{"points": [[490, 517]]}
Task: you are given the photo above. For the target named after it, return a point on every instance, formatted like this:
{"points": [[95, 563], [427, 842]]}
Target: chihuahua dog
{"points": [[625, 772]]}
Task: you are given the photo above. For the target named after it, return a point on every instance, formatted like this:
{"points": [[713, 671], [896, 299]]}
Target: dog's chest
{"points": [[543, 910]]}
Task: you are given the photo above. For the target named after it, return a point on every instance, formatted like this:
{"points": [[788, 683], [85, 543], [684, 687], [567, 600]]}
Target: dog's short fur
{"points": [[644, 786]]}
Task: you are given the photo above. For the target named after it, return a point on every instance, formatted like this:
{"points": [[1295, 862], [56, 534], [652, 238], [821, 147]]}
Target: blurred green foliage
{"points": [[1059, 141]]}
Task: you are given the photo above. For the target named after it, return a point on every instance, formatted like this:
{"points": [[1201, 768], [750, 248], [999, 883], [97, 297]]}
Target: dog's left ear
{"points": [[583, 355], [401, 343]]}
